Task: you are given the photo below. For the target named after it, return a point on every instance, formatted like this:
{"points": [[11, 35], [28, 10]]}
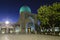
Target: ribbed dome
{"points": [[25, 9]]}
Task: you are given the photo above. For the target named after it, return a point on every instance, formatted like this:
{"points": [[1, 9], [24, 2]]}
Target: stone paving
{"points": [[27, 37]]}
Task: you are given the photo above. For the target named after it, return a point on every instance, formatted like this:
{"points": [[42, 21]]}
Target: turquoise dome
{"points": [[25, 9]]}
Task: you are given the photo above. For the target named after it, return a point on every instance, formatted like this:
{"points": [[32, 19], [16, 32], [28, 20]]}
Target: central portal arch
{"points": [[30, 27]]}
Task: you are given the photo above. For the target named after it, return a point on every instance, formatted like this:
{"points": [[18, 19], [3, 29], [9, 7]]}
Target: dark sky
{"points": [[9, 9]]}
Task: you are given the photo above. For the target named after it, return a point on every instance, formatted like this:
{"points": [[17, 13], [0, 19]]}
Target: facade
{"points": [[6, 28], [27, 20], [9, 28]]}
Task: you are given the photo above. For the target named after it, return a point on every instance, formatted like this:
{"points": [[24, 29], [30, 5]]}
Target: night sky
{"points": [[9, 9]]}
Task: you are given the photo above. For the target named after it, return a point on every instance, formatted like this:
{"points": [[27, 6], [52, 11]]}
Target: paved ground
{"points": [[27, 37]]}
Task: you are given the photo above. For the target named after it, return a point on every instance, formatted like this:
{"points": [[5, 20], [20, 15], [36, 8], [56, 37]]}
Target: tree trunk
{"points": [[40, 29], [53, 29]]}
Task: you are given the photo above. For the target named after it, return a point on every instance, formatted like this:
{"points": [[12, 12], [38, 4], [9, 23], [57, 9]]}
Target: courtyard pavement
{"points": [[28, 37]]}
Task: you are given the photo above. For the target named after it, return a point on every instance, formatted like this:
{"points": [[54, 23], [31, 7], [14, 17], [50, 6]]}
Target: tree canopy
{"points": [[49, 15]]}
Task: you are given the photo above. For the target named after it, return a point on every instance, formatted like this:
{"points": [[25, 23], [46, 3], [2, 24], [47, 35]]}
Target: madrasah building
{"points": [[26, 22]]}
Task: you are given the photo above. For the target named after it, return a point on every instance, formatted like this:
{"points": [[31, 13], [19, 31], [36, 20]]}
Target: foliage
{"points": [[49, 15]]}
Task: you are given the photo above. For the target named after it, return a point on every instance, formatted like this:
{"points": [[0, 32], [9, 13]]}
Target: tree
{"points": [[43, 13], [49, 15], [54, 18]]}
